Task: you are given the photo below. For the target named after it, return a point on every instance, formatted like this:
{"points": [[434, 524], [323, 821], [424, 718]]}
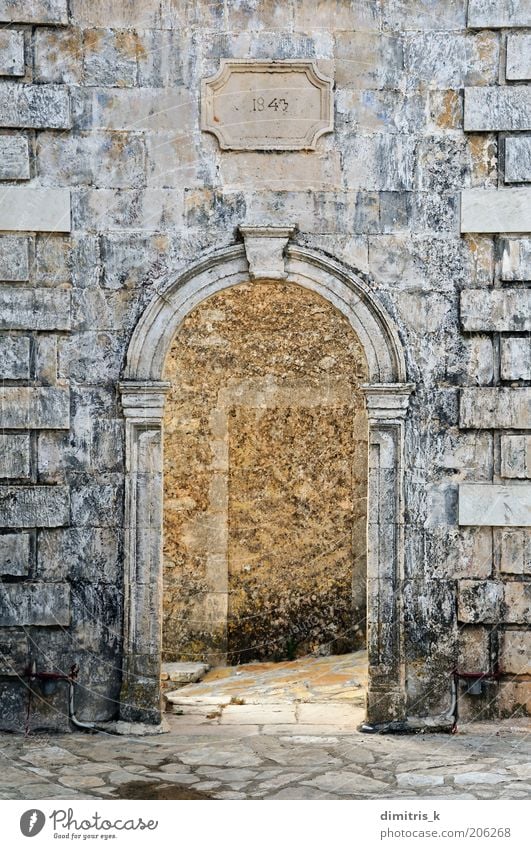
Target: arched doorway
{"points": [[265, 479], [266, 255]]}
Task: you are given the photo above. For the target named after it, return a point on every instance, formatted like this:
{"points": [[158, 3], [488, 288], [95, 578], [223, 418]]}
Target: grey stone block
{"points": [[14, 260], [490, 108], [25, 208], [496, 309], [518, 159], [518, 57], [480, 601], [85, 554], [34, 12], [451, 62], [97, 505], [110, 57], [14, 554], [34, 506], [489, 505], [114, 160], [497, 14], [14, 652], [14, 357], [369, 60], [117, 209], [515, 456], [34, 309], [515, 358], [496, 211], [495, 408], [516, 259], [11, 53], [419, 14], [34, 106], [14, 455], [52, 43], [14, 158], [34, 604], [28, 407], [515, 652], [514, 545]]}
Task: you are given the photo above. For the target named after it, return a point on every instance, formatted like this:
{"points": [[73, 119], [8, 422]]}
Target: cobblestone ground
{"points": [[234, 757]]}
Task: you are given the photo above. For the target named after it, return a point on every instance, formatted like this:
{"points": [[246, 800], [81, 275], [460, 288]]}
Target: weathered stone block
{"points": [[383, 162], [112, 160], [34, 12], [496, 309], [496, 14], [491, 505], [497, 108], [34, 106], [34, 309], [517, 603], [515, 358], [418, 15], [14, 261], [109, 13], [519, 56], [28, 407], [496, 211], [369, 60], [34, 506], [474, 649], [518, 159], [26, 208], [14, 554], [515, 456], [34, 604], [514, 547], [479, 601], [87, 554], [46, 359], [14, 455], [516, 259], [14, 652], [495, 408], [112, 209], [14, 357], [514, 699], [53, 264], [97, 505], [515, 652], [110, 57], [97, 354], [14, 158], [57, 55], [458, 552], [451, 62], [11, 53], [151, 109]]}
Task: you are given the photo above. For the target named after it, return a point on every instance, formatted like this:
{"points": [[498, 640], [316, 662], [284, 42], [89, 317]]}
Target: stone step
{"points": [[175, 675]]}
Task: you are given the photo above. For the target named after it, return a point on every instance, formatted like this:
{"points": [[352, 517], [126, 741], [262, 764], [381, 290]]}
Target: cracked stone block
{"points": [[14, 554], [14, 455], [11, 53], [34, 604]]}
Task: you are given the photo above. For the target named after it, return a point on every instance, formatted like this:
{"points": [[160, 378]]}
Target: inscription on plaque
{"points": [[280, 105]]}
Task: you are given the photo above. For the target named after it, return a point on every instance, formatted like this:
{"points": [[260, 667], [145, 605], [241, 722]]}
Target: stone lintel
{"points": [[265, 250]]}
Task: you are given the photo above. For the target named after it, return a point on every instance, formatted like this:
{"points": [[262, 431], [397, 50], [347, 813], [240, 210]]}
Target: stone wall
{"points": [[265, 476], [109, 186]]}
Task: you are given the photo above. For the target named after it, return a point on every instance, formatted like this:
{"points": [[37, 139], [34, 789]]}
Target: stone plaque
{"points": [[279, 105]]}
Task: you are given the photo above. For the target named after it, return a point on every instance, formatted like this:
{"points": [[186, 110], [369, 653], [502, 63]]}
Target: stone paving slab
{"points": [[228, 761]]}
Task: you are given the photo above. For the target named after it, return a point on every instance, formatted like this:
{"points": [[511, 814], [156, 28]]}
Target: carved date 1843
{"points": [[279, 104]]}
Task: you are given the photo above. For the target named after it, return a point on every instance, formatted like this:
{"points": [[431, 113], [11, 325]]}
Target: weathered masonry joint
{"points": [[265, 310]]}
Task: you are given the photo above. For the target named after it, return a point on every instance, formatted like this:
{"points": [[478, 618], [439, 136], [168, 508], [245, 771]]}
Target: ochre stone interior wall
{"points": [[265, 477]]}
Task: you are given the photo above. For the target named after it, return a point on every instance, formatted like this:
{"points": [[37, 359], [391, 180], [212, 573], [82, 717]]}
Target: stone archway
{"points": [[265, 255]]}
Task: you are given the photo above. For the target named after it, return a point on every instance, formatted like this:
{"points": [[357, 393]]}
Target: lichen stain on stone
{"points": [[264, 478]]}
